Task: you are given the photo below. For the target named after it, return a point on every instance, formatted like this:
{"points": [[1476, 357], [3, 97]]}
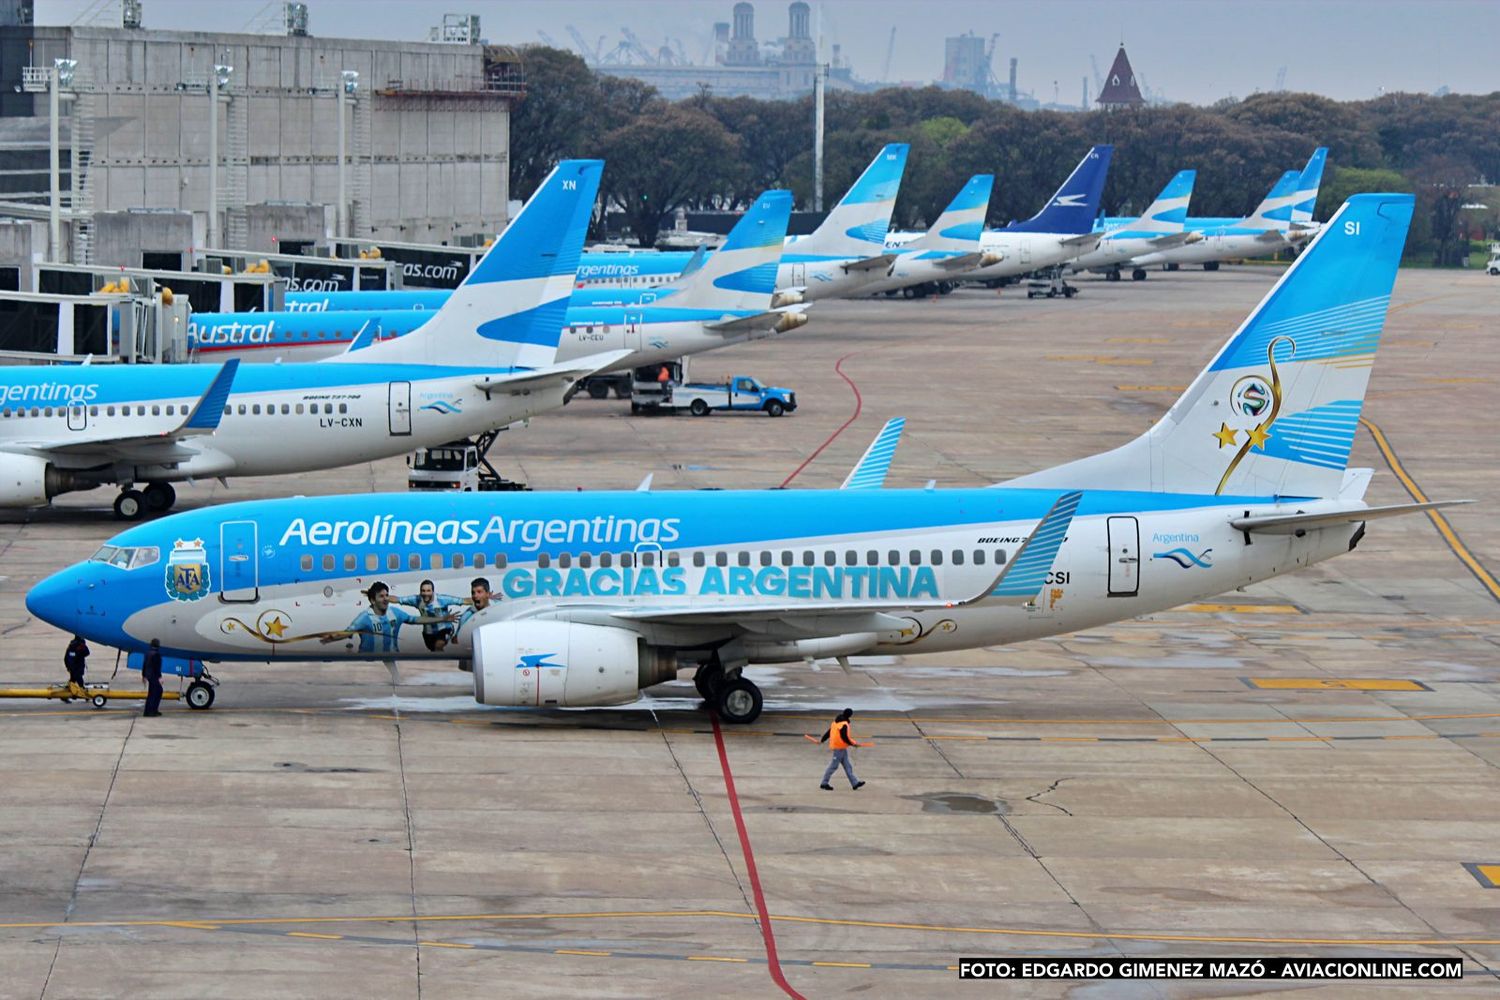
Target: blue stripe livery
{"points": [[1029, 570]]}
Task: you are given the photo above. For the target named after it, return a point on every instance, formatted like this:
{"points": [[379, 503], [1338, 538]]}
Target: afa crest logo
{"points": [[187, 571]]}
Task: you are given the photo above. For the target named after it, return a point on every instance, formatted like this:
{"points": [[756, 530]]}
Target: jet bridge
{"points": [[252, 292], [302, 273], [125, 327]]}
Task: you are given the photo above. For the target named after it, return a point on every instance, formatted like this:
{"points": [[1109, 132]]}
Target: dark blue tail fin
{"points": [[1073, 207]]}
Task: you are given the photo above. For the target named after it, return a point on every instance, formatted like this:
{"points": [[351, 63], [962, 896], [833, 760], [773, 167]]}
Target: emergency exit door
{"points": [[78, 416], [1124, 556], [400, 409], [239, 563]]}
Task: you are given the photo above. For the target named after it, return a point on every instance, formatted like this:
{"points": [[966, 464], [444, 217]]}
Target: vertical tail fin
{"points": [[1073, 207], [1274, 413], [1275, 209], [1168, 213], [1307, 186], [858, 223], [510, 310], [962, 222], [741, 274]]}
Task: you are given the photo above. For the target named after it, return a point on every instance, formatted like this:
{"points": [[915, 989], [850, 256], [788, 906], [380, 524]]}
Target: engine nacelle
{"points": [[27, 481], [563, 664]]}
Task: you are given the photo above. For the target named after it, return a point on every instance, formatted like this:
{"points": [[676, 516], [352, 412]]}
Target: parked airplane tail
{"points": [[962, 222], [1168, 213], [1274, 413], [1307, 186], [741, 274], [858, 223], [1275, 209], [510, 310], [1073, 207]]}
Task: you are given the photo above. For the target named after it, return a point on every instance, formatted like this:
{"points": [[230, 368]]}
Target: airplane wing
{"points": [[531, 380], [204, 419], [869, 472], [1018, 582], [969, 261], [1170, 240], [885, 260], [779, 320], [1086, 241], [1288, 524]]}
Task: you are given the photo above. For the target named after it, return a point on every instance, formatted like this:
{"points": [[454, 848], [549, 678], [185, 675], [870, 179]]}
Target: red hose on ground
{"points": [[859, 404], [772, 962]]}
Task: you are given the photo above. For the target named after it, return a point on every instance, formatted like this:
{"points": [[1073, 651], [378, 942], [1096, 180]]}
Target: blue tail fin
{"points": [[961, 225], [510, 309], [858, 223], [1073, 207], [741, 274], [1274, 413], [1275, 209], [1307, 186]]}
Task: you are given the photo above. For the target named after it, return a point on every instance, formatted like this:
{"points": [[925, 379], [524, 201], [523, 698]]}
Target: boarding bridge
{"points": [[422, 265], [36, 327], [204, 292], [303, 274]]}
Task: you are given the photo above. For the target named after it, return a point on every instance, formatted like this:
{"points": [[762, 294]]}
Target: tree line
{"points": [[710, 152]]}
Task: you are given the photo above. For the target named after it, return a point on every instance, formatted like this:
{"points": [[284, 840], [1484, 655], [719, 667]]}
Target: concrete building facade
{"points": [[427, 130]]}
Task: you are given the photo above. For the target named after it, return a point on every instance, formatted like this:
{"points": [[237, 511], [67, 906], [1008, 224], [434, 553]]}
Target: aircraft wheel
{"points": [[774, 408], [709, 680], [159, 497], [598, 390], [740, 702], [1212, 265], [698, 408], [1139, 274], [199, 695], [129, 505], [1112, 276]]}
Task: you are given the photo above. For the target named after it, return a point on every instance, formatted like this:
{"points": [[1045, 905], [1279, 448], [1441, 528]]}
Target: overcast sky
{"points": [[1189, 50]]}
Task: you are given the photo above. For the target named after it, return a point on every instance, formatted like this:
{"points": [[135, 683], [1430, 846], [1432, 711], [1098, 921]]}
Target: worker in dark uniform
{"points": [[76, 660], [840, 739], [151, 673]]}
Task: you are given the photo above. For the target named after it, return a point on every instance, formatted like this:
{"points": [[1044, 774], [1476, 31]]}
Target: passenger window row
{"points": [[155, 410], [255, 409], [650, 557]]}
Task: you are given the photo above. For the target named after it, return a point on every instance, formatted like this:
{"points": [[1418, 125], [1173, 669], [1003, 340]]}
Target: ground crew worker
{"points": [[664, 382], [151, 673], [76, 660], [840, 739]]}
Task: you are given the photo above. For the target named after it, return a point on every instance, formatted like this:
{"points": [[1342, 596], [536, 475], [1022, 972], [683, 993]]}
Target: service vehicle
{"points": [[740, 392]]}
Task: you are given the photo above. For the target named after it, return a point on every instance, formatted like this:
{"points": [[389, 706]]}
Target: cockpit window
{"points": [[128, 556]]}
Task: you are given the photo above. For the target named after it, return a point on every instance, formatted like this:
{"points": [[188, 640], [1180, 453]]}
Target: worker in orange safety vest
{"points": [[840, 740]]}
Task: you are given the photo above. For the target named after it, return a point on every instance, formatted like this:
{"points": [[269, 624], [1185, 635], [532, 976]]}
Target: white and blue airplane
{"points": [[583, 599], [1160, 227], [1282, 221], [725, 301], [487, 359], [1062, 230], [837, 260], [949, 248]]}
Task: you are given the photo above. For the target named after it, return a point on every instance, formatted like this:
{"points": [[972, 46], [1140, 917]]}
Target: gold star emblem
{"points": [[1258, 436], [1225, 435], [276, 628]]}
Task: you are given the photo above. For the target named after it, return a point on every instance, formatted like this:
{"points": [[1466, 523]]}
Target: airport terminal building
{"points": [[426, 135]]}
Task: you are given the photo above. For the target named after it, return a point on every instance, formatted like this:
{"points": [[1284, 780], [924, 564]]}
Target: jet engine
{"points": [[564, 664], [28, 481]]}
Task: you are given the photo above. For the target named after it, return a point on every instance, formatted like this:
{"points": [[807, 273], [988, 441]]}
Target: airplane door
{"points": [[1124, 557], [1025, 248], [239, 565], [78, 416], [633, 320], [400, 409], [799, 275]]}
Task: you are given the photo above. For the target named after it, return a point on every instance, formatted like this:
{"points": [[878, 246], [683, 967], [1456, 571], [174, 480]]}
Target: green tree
{"points": [[667, 156]]}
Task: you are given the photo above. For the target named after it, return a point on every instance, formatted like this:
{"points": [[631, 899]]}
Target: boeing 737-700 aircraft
{"points": [[579, 599], [485, 360], [1160, 227], [949, 248], [726, 301]]}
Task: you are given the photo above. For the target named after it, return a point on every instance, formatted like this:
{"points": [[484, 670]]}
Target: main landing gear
{"points": [[737, 699], [133, 504]]}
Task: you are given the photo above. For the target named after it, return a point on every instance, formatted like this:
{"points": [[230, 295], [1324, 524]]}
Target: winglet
{"points": [[210, 409], [645, 486], [365, 337], [869, 472], [1023, 576]]}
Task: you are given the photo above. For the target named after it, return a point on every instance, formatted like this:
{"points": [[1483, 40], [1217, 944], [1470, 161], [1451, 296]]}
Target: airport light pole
{"points": [[58, 76], [348, 85], [820, 74], [217, 79]]}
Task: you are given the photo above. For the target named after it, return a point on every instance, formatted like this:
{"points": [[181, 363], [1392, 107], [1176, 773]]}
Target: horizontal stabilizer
{"points": [[969, 261], [1287, 524], [884, 260], [540, 378], [1086, 241], [870, 471]]}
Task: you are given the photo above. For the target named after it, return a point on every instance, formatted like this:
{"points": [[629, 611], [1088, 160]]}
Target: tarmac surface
{"points": [[1305, 768]]}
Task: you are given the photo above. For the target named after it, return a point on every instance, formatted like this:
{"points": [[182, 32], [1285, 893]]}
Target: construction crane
{"points": [[991, 83], [592, 54], [638, 47], [1098, 76], [1281, 79], [890, 50], [547, 39]]}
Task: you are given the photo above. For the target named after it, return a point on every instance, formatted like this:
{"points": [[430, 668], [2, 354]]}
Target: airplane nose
{"points": [[55, 600]]}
